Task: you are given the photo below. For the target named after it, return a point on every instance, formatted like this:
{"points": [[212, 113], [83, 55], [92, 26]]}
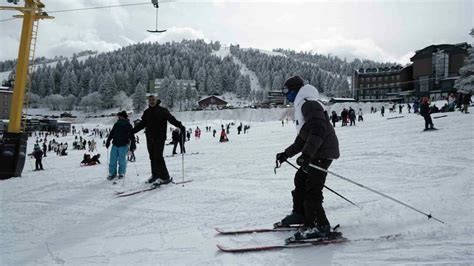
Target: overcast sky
{"points": [[377, 30]]}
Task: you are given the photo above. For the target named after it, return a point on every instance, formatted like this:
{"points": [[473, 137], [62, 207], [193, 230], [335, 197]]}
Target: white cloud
{"points": [[350, 49], [175, 34]]}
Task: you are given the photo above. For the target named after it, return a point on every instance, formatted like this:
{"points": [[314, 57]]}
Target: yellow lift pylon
{"points": [[13, 150]]}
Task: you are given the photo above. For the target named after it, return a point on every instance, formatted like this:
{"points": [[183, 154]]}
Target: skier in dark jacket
{"points": [[177, 137], [121, 136], [425, 112], [352, 116], [344, 115], [318, 144], [334, 118], [38, 154], [155, 119]]}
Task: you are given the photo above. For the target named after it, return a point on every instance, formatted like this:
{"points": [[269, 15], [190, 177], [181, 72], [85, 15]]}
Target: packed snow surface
{"points": [[68, 214]]}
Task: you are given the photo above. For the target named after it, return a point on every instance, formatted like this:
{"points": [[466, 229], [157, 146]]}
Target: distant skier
{"points": [[382, 110], [334, 118], [131, 152], [318, 144], [425, 112], [400, 108], [177, 138], [466, 101], [155, 119], [239, 128], [121, 136], [409, 107], [223, 137], [416, 106], [359, 113], [214, 133], [38, 154], [352, 116], [344, 115]]}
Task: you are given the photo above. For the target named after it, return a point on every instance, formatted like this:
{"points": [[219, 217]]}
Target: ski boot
{"points": [[291, 220], [120, 176], [317, 233], [158, 182], [111, 177]]}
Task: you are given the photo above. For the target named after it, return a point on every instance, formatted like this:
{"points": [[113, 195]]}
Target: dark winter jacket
{"points": [[317, 137], [38, 154], [121, 133], [155, 120], [176, 136], [424, 109], [466, 99]]}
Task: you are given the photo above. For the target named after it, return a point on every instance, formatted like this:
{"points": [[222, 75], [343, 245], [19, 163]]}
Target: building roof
{"points": [[459, 48], [211, 99]]}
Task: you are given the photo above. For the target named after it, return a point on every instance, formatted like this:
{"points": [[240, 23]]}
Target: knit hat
{"points": [[123, 114], [294, 83]]}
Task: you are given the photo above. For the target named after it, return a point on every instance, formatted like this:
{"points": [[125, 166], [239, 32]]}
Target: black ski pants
{"points": [[38, 164], [308, 193], [181, 146], [155, 151], [428, 121]]}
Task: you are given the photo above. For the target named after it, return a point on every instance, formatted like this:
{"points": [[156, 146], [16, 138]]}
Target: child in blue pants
{"points": [[121, 136]]}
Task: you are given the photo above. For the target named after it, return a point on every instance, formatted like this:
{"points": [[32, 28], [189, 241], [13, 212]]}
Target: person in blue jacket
{"points": [[121, 137]]}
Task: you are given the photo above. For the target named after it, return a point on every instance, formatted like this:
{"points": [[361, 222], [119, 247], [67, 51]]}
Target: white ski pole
{"points": [[375, 191]]}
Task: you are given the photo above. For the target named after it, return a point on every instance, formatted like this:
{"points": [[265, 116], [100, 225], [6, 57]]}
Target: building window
{"points": [[440, 63], [424, 83]]}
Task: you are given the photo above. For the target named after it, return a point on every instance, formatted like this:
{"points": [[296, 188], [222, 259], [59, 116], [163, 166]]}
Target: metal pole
{"points": [[375, 191], [21, 74], [294, 166], [182, 155]]}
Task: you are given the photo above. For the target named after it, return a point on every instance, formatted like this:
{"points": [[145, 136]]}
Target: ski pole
{"points": [[182, 156], [294, 166], [375, 191]]}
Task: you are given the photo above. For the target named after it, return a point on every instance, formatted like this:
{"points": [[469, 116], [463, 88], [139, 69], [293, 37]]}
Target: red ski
{"points": [[123, 194], [256, 230], [282, 246]]}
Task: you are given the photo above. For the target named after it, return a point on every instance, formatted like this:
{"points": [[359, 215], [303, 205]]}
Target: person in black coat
{"points": [[155, 119], [334, 118], [318, 144], [426, 113], [177, 137], [38, 154], [352, 116]]}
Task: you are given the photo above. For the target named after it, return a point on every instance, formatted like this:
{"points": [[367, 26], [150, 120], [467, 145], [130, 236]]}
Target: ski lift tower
{"points": [[13, 144]]}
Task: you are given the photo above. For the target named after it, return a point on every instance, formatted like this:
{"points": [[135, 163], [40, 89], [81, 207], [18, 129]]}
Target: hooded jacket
{"points": [[315, 135]]}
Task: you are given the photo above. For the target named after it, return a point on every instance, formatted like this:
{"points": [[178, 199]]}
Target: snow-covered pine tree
{"points": [[107, 89], [201, 80], [139, 98], [466, 80]]}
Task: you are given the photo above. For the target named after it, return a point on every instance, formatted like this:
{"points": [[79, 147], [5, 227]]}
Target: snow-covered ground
{"points": [[68, 214]]}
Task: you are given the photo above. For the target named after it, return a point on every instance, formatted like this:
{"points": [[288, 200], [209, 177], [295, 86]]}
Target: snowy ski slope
{"points": [[68, 214]]}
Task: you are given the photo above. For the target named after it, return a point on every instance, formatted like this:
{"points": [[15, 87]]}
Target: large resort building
{"points": [[432, 73]]}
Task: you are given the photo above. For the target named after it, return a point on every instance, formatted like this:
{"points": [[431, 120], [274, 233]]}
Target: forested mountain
{"points": [[273, 70], [110, 79], [333, 63], [107, 79]]}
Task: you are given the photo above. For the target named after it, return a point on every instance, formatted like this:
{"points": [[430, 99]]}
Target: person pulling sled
{"points": [[318, 144]]}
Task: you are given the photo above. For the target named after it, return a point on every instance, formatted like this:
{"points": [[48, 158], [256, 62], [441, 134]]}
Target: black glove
{"points": [[107, 144], [281, 157], [303, 160]]}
